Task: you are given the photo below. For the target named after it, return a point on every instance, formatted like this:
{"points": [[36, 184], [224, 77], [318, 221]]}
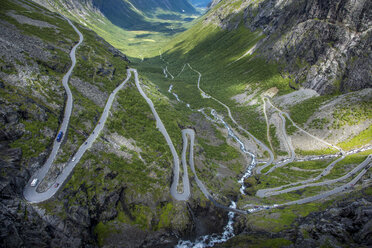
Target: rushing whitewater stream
{"points": [[228, 231]]}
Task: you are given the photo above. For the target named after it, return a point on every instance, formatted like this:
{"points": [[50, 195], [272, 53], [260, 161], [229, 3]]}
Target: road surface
{"points": [[290, 149], [364, 166], [185, 194], [267, 124], [307, 183], [30, 192]]}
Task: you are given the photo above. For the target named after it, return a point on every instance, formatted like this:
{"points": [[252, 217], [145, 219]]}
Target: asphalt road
{"points": [[33, 196], [189, 133], [308, 183], [336, 190], [289, 147], [30, 192], [185, 194]]}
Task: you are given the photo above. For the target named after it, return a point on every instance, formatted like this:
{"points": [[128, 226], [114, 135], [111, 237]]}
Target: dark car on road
{"points": [[59, 137]]}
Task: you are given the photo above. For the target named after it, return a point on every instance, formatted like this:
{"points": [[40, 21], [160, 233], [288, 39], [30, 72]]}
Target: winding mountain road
{"points": [[364, 166], [289, 148], [302, 130], [267, 124], [185, 195], [30, 193], [307, 183], [271, 154], [324, 195]]}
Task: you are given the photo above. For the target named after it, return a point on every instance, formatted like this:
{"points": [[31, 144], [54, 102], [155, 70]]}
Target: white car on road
{"points": [[34, 182]]}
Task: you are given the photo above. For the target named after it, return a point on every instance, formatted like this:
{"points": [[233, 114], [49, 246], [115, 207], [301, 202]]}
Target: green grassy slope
{"points": [[217, 54], [137, 28]]}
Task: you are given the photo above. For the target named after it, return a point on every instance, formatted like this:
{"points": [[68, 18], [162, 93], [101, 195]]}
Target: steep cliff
{"points": [[324, 44]]}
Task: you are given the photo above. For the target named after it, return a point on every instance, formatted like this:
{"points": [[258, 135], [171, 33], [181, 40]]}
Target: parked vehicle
{"points": [[73, 159], [59, 137], [56, 185], [34, 182]]}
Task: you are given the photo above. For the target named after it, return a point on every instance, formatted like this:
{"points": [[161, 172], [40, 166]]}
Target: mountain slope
{"points": [[118, 194], [311, 58], [201, 3], [321, 44], [127, 14], [182, 6], [135, 27], [119, 191]]}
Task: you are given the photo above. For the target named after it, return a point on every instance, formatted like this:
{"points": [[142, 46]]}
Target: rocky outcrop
{"points": [[349, 222], [22, 225], [324, 44], [346, 222]]}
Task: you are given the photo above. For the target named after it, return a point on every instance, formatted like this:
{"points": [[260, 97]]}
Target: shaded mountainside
{"points": [[200, 3], [324, 44], [128, 14], [171, 5]]}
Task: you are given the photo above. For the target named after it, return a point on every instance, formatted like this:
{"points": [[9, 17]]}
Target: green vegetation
{"points": [[62, 30], [346, 165], [135, 121], [223, 152], [137, 175], [275, 141], [318, 123], [166, 215], [352, 114], [102, 231], [224, 75], [310, 165], [285, 175], [301, 112], [316, 152], [137, 34], [364, 137], [276, 220], [289, 127]]}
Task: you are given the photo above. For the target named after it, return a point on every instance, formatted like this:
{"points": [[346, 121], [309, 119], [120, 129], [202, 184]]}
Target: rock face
{"points": [[324, 44], [349, 223], [21, 224], [346, 222]]}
